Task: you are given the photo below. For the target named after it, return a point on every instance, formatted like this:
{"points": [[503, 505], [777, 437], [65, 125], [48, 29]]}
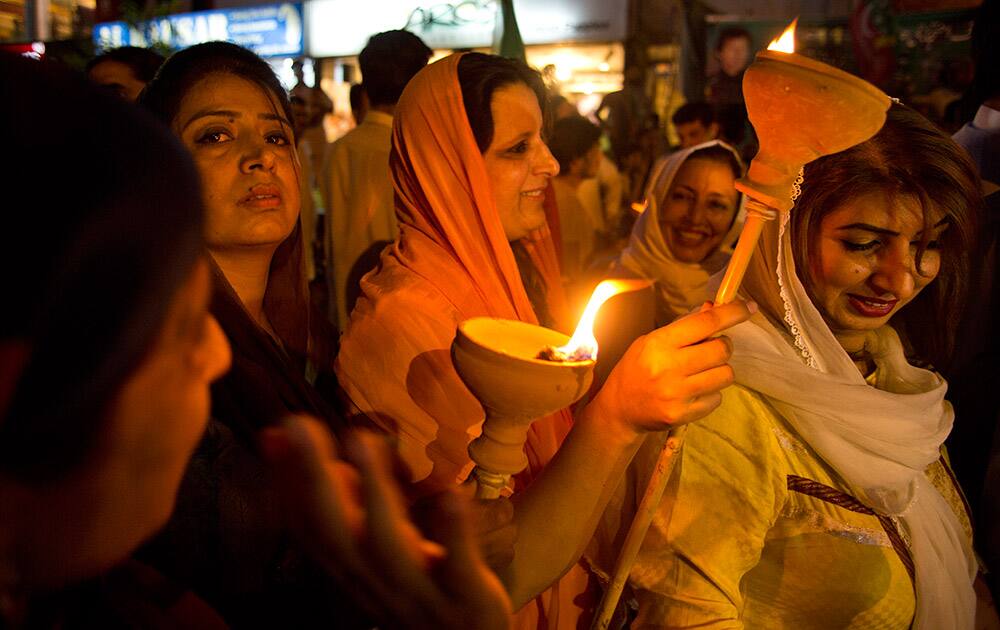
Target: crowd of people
{"points": [[191, 437]]}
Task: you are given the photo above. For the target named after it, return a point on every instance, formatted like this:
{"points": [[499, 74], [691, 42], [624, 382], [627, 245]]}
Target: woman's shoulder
{"points": [[399, 318], [740, 450], [395, 367], [745, 420], [736, 451], [722, 500], [401, 303]]}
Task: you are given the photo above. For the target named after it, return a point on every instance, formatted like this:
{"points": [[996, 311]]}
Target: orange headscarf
{"points": [[451, 262]]}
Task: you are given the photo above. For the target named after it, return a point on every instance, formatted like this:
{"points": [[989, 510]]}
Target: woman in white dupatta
{"points": [[692, 219], [686, 234], [817, 496]]}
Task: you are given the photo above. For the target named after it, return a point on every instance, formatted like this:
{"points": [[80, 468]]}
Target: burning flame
{"points": [[583, 342], [786, 42]]}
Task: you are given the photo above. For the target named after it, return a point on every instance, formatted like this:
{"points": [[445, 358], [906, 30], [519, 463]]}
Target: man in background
{"points": [[124, 71], [575, 144], [695, 124], [359, 103], [625, 114], [355, 180], [724, 92]]}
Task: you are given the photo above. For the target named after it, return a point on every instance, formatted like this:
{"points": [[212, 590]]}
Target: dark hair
{"points": [[986, 52], [572, 137], [556, 100], [93, 266], [480, 76], [732, 32], [356, 96], [388, 62], [908, 157], [142, 61], [179, 73], [696, 111]]}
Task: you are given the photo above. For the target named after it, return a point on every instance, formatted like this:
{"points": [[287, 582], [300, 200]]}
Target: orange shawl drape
{"points": [[450, 262]]}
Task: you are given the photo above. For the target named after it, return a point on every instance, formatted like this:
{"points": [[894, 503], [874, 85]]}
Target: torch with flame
{"points": [[498, 360], [801, 110]]}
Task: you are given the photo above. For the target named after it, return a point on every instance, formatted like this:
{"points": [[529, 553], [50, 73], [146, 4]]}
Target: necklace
{"points": [[860, 355], [863, 361]]}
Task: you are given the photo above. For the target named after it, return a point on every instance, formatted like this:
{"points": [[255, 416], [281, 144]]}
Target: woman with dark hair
{"points": [[228, 538], [106, 344], [470, 171], [575, 144], [818, 493]]}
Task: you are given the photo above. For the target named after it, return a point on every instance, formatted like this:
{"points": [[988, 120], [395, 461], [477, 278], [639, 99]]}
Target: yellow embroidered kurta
{"points": [[732, 546]]}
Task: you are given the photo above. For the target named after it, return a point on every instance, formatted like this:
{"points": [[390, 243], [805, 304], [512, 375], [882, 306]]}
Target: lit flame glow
{"points": [[583, 342], [785, 43]]}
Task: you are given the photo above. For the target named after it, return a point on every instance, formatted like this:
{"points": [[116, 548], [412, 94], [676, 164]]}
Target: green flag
{"points": [[507, 40]]}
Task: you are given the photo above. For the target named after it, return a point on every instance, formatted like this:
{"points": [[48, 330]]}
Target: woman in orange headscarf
{"points": [[470, 170]]}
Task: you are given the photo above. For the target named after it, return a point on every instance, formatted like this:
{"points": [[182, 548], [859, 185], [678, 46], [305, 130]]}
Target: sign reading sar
{"points": [[274, 30]]}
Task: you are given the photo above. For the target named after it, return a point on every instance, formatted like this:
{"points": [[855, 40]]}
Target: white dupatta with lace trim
{"points": [[879, 440]]}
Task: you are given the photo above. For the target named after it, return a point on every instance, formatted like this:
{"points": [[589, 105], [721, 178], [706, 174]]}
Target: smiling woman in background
{"points": [[685, 235], [688, 229]]}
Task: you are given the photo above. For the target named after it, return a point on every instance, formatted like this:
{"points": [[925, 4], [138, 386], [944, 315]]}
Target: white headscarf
{"points": [[680, 285], [880, 441]]}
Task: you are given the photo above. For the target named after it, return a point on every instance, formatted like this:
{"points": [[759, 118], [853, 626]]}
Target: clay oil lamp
{"points": [[520, 372]]}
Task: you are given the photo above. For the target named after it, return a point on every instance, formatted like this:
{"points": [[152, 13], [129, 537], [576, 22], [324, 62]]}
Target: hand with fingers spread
{"points": [[353, 518], [675, 374]]}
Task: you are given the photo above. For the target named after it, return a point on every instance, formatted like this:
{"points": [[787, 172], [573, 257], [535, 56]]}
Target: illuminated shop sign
{"points": [[31, 50], [272, 30], [338, 29]]}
